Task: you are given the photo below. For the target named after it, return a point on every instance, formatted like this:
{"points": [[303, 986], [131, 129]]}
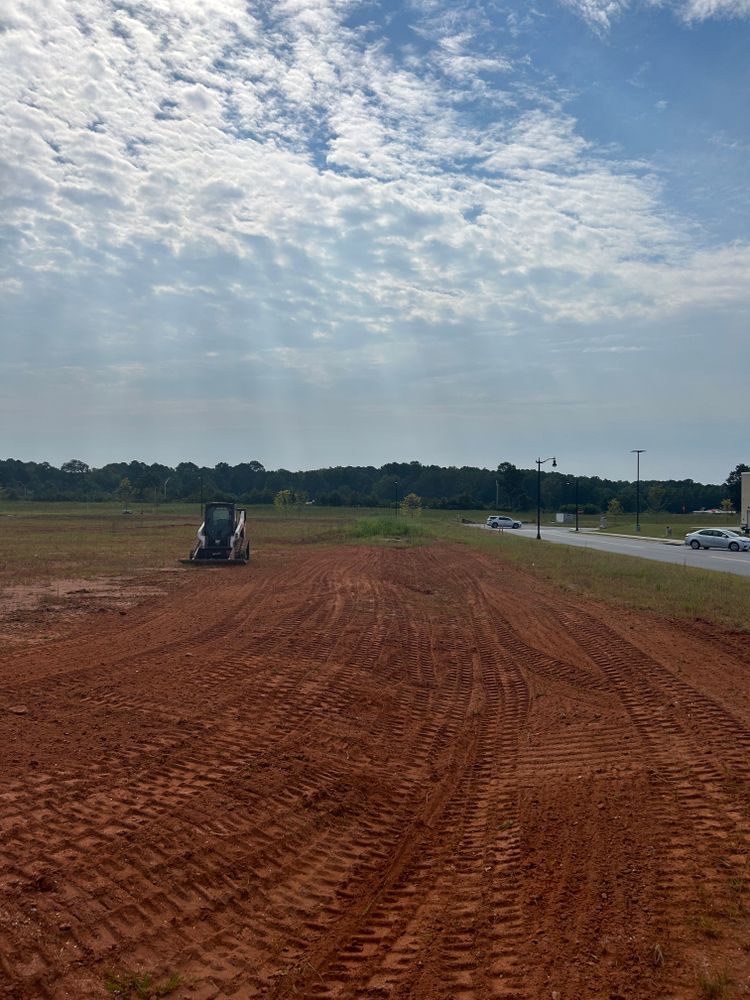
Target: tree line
{"points": [[449, 487]]}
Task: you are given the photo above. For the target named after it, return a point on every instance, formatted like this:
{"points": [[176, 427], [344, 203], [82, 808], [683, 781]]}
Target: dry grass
{"points": [[67, 544], [40, 543]]}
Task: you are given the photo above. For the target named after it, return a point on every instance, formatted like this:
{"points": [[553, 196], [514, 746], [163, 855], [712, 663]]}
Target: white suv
{"points": [[500, 521]]}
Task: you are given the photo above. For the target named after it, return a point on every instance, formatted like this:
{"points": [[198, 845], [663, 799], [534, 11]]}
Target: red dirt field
{"points": [[375, 772]]}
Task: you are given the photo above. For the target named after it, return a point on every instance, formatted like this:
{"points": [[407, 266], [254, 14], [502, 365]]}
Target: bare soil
{"points": [[373, 772]]}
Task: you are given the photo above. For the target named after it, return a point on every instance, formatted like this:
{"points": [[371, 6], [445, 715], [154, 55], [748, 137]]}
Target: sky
{"points": [[344, 232]]}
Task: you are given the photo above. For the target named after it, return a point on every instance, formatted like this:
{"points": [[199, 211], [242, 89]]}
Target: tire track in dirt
{"points": [[237, 603], [360, 774], [698, 818], [447, 892], [624, 755], [186, 776], [682, 727]]}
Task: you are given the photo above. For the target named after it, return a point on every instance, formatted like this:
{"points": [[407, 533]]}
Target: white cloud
{"points": [[601, 14], [190, 181], [199, 127], [701, 10], [598, 13]]}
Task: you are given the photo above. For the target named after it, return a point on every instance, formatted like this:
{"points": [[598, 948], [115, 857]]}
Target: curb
{"points": [[615, 534]]}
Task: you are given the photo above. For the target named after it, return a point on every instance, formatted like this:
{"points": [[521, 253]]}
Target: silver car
{"points": [[501, 521], [717, 538]]}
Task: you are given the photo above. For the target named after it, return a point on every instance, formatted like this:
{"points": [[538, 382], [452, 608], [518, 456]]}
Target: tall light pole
{"points": [[539, 463], [637, 452], [576, 482], [165, 488], [396, 514]]}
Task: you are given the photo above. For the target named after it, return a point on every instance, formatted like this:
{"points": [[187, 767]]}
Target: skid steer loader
{"points": [[221, 537]]}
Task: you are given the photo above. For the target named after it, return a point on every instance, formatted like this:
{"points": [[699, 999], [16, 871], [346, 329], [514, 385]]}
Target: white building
{"points": [[745, 501]]}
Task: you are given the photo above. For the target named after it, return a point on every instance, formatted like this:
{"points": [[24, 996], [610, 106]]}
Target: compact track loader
{"points": [[221, 537]]}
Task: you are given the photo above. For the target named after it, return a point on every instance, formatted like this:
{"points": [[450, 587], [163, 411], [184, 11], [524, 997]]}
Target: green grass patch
{"points": [[385, 528]]}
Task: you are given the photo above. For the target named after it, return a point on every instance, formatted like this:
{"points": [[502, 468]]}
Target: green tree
{"points": [[733, 484], [75, 467], [656, 498], [614, 507], [76, 471], [411, 505], [385, 489], [283, 500], [510, 485], [125, 490]]}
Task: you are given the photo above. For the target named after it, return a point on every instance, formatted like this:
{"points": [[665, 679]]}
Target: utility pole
{"points": [[637, 452], [539, 463]]}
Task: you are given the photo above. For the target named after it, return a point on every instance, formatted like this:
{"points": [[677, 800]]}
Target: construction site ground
{"points": [[370, 772]]}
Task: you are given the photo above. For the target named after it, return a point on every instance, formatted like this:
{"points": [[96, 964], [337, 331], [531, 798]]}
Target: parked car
{"points": [[717, 538], [501, 521]]}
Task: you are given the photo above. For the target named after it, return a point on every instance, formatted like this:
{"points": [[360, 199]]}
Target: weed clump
{"points": [[714, 986], [135, 985]]}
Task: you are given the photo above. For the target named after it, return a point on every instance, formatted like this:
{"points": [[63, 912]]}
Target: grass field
{"points": [[43, 542]]}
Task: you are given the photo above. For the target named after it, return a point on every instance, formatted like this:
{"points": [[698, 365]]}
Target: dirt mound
{"points": [[371, 773]]}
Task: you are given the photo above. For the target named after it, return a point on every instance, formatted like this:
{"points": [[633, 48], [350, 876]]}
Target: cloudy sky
{"points": [[323, 232]]}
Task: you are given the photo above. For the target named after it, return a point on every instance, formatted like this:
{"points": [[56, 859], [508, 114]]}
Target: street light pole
{"points": [[396, 514], [539, 463], [637, 452]]}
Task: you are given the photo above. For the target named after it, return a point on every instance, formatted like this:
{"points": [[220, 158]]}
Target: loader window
{"points": [[220, 523]]}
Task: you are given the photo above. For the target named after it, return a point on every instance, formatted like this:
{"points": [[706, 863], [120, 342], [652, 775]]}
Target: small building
{"points": [[745, 501], [564, 518]]}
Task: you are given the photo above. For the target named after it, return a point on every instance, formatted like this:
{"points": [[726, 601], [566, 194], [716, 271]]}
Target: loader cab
{"points": [[219, 523]]}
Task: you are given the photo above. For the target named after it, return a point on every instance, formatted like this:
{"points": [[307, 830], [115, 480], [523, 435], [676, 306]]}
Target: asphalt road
{"points": [[656, 548]]}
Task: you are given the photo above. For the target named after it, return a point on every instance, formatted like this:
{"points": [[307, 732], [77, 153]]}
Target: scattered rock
{"points": [[18, 710]]}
